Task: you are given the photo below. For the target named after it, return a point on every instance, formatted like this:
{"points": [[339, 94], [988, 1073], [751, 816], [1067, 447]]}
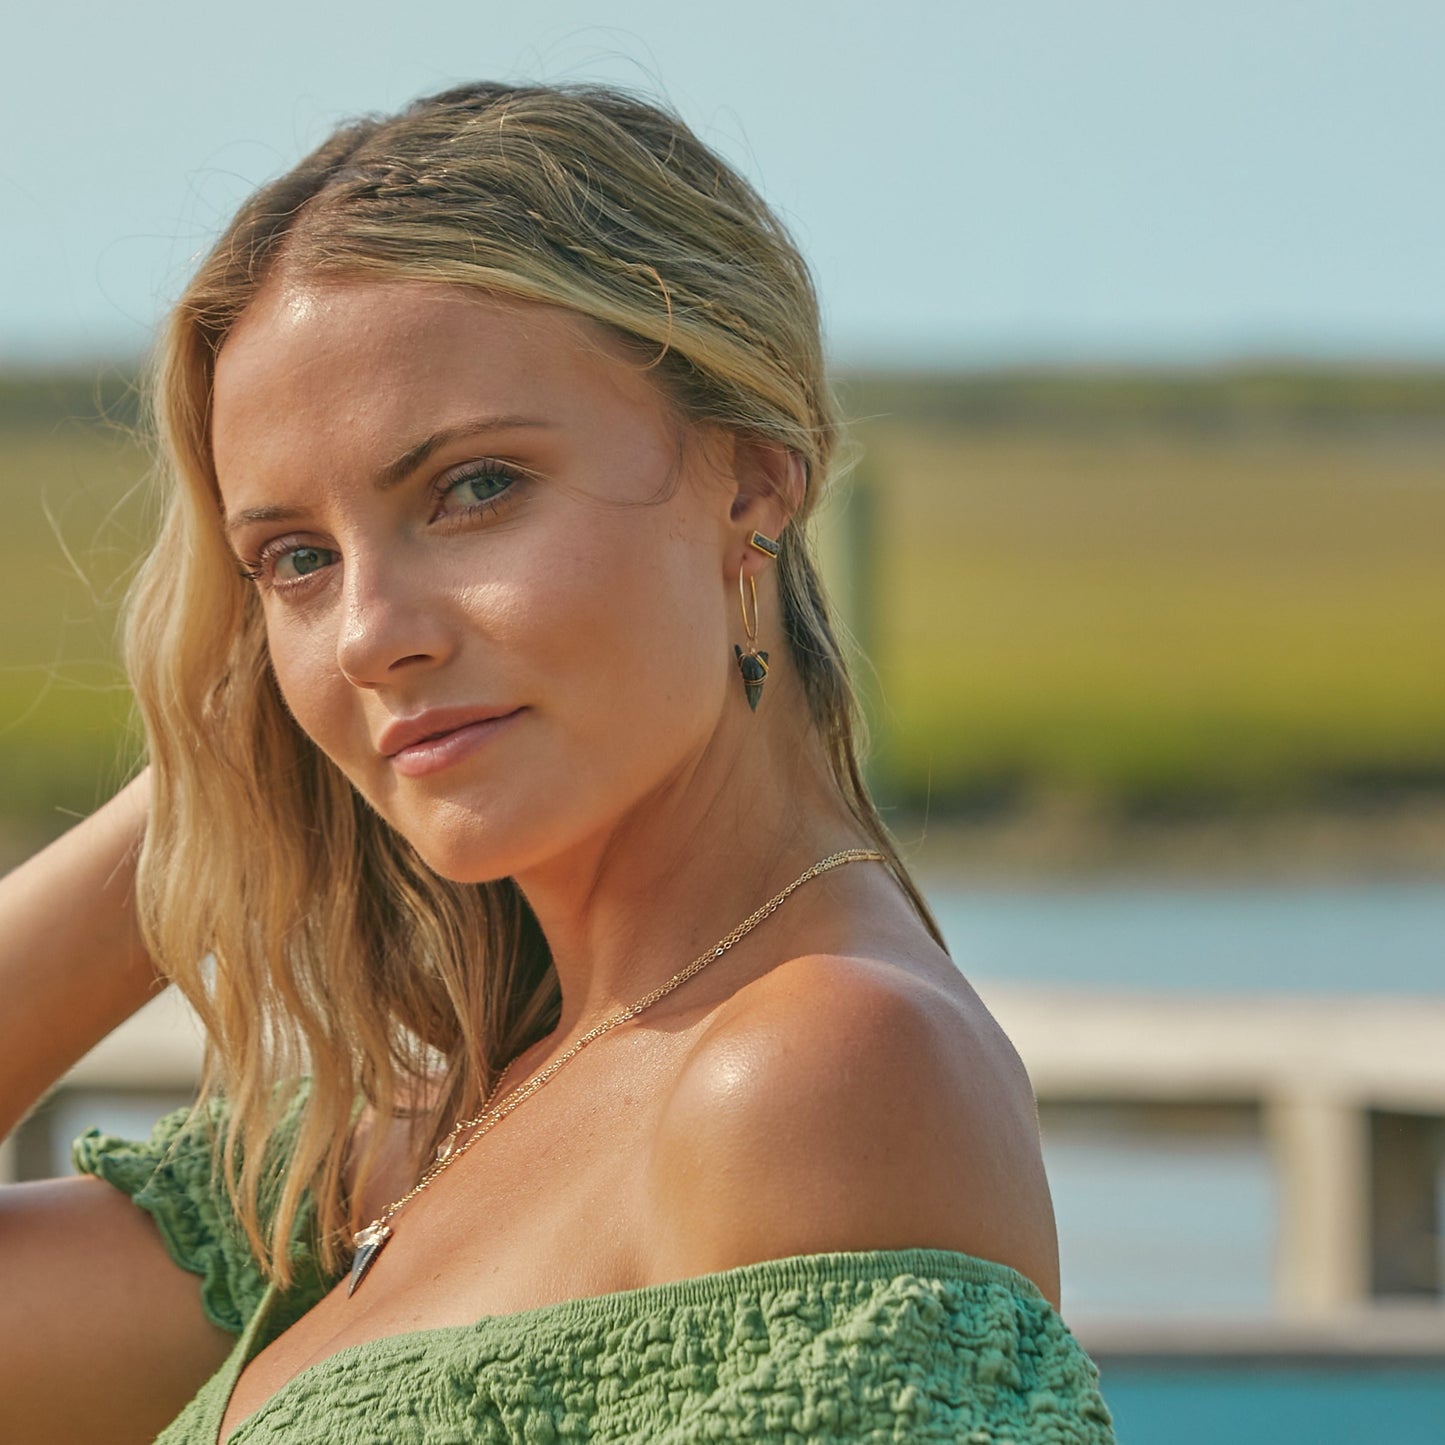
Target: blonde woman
{"points": [[583, 1062]]}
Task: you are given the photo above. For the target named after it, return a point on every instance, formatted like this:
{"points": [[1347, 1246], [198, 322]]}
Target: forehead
{"points": [[347, 368]]}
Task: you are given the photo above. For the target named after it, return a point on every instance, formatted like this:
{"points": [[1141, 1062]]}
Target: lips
{"points": [[433, 726]]}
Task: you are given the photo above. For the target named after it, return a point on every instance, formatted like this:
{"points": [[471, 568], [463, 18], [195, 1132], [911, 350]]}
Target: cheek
{"points": [[312, 688], [685, 642], [613, 619], [646, 634]]}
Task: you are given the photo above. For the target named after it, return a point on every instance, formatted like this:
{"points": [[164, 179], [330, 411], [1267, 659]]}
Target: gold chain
{"points": [[449, 1151]]}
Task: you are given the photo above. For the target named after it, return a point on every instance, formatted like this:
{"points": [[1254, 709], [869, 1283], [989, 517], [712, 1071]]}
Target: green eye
{"points": [[302, 561], [478, 488], [484, 487]]}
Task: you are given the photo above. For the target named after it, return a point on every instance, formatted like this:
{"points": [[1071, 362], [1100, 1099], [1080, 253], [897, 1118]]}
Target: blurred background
{"points": [[1138, 310]]}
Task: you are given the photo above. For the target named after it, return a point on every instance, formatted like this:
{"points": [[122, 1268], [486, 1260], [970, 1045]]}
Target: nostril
{"points": [[381, 642], [393, 614]]}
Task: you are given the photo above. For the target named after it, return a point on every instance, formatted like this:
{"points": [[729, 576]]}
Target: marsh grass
{"points": [[1158, 620], [1143, 594], [74, 526]]}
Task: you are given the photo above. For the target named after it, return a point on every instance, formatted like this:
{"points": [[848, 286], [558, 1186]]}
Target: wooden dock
{"points": [[1351, 1094]]}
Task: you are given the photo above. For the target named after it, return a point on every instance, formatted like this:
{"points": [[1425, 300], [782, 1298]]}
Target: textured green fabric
{"points": [[885, 1345], [171, 1176]]}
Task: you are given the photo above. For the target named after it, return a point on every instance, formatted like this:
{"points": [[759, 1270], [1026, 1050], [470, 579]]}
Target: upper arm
{"points": [[842, 1110], [102, 1334]]}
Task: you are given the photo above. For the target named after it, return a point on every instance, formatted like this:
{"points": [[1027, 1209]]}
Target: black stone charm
{"points": [[369, 1243], [754, 668]]}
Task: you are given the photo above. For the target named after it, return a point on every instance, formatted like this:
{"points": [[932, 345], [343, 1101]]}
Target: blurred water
{"points": [[1166, 1224], [1151, 1223], [1360, 937], [1162, 1226], [1338, 1404]]}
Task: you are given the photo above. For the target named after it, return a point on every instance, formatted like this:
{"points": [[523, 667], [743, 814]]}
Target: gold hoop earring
{"points": [[752, 664]]}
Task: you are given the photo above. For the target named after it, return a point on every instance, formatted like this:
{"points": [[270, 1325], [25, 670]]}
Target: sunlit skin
{"points": [[831, 1084], [570, 553]]}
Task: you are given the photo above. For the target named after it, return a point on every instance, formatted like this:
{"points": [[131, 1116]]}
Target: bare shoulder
{"points": [[846, 1103]]}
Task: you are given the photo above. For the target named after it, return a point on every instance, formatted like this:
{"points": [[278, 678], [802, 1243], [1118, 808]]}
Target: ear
{"points": [[770, 481]]}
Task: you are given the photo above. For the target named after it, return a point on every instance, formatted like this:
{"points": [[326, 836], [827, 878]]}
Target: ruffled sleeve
{"points": [[172, 1176]]}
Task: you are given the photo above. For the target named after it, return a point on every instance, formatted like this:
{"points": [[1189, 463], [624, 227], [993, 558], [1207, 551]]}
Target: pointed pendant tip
{"points": [[369, 1244]]}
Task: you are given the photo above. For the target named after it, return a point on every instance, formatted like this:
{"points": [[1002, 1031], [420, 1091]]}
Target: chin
{"points": [[469, 844], [465, 850]]}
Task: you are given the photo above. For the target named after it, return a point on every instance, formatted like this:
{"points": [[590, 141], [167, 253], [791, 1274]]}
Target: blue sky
{"points": [[1002, 181]]}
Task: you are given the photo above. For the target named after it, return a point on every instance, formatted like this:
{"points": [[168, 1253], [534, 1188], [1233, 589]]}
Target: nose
{"points": [[391, 622]]}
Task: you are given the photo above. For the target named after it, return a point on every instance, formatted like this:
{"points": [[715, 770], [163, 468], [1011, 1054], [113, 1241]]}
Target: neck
{"points": [[626, 910]]}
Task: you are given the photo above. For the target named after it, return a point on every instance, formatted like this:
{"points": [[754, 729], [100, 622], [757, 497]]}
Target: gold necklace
{"points": [[372, 1239]]}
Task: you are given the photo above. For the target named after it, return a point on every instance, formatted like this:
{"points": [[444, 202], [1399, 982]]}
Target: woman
{"points": [[583, 1061]]}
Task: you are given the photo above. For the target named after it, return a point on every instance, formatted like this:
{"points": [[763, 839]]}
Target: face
{"points": [[490, 559]]}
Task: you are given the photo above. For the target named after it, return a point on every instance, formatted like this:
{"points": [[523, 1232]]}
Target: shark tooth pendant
{"points": [[369, 1243], [754, 667]]}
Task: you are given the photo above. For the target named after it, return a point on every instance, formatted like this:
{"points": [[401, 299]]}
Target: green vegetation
{"points": [[70, 481], [1159, 592]]}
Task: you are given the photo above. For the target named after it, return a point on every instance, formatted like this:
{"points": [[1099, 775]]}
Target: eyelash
{"points": [[479, 471], [261, 568]]}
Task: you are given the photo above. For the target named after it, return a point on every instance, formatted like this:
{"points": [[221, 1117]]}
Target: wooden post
{"points": [[1322, 1161], [859, 597], [856, 596]]}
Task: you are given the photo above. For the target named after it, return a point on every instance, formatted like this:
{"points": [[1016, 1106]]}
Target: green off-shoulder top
{"points": [[882, 1345]]}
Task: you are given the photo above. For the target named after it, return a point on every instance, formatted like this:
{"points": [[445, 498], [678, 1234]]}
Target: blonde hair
{"points": [[309, 936]]}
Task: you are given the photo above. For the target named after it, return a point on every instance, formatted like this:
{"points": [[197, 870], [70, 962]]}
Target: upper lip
{"points": [[436, 722]]}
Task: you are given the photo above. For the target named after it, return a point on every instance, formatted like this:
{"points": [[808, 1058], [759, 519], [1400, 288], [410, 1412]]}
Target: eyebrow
{"points": [[396, 472]]}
